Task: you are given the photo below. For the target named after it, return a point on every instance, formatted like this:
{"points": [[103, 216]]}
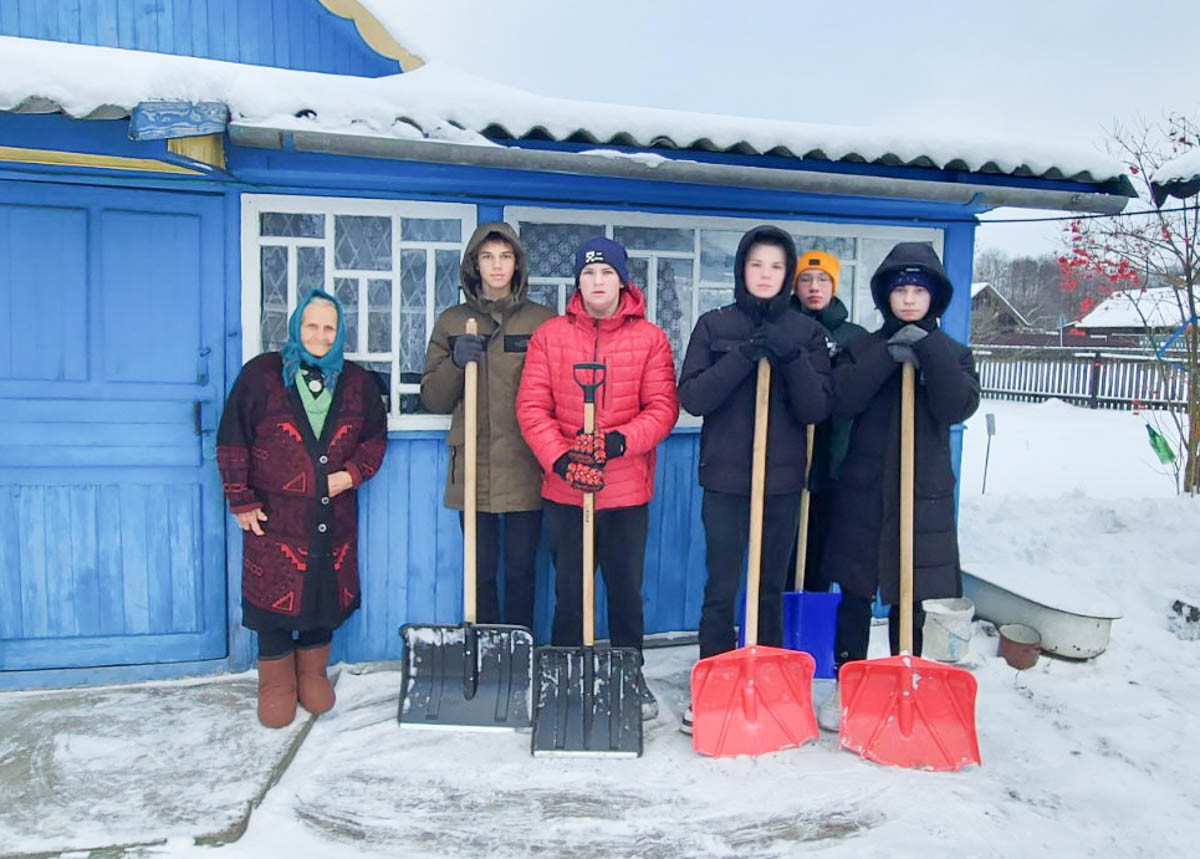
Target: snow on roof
{"points": [[439, 102], [978, 287], [1136, 308], [1179, 177]]}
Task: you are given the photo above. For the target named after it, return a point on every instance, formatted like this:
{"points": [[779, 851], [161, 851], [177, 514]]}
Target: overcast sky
{"points": [[1056, 70]]}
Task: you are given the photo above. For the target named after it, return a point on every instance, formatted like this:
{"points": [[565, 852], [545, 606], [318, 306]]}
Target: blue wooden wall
{"points": [[287, 34]]}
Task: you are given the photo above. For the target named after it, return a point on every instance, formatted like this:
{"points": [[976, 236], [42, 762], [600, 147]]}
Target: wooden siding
{"points": [[287, 34]]}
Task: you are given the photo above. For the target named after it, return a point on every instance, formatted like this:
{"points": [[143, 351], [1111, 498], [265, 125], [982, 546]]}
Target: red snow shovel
{"points": [[587, 698], [906, 711], [467, 675], [755, 699]]}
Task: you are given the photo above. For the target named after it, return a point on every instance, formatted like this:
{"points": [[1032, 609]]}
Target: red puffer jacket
{"points": [[638, 397]]}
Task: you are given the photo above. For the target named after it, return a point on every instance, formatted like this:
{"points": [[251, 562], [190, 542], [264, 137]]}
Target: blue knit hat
{"points": [[910, 275], [602, 250]]}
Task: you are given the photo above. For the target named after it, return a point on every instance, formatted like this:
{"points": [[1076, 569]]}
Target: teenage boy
{"points": [[814, 293], [718, 383], [494, 277], [911, 290], [636, 408]]}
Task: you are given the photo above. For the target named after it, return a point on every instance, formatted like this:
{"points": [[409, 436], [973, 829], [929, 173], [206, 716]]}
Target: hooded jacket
{"points": [[637, 398], [717, 382], [832, 437], [864, 541], [508, 475]]}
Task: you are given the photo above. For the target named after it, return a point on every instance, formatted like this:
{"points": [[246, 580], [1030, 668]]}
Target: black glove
{"points": [[467, 348], [900, 344], [614, 444], [781, 346], [597, 448], [755, 347]]}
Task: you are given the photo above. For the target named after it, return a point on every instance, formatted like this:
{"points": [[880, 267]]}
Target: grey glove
{"points": [[467, 348], [900, 344]]}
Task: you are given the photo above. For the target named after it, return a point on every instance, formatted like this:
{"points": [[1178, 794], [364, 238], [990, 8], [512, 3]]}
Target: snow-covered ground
{"points": [[1096, 758]]}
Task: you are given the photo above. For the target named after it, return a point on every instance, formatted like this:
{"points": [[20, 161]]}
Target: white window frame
{"points": [[253, 205], [611, 218]]}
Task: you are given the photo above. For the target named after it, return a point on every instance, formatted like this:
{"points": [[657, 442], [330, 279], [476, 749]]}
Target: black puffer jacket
{"points": [[718, 382], [832, 437], [864, 541]]}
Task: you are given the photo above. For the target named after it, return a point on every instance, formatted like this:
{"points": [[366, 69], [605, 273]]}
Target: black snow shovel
{"points": [[587, 700], [467, 675]]}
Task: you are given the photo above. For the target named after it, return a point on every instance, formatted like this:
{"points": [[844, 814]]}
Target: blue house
{"points": [[173, 173]]}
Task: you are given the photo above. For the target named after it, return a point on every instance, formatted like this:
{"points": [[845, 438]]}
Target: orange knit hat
{"points": [[827, 263]]}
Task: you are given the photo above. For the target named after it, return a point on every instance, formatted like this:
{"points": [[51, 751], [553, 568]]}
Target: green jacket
{"points": [[509, 477]]}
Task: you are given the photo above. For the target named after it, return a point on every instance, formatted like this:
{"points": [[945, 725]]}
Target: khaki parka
{"points": [[509, 477]]}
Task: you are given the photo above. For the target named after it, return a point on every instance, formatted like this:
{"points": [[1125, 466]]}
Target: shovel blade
{"points": [[466, 676], [587, 702], [810, 624], [909, 712], [751, 701]]}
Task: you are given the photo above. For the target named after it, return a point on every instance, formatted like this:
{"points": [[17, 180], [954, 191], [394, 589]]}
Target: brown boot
{"points": [[277, 690], [316, 692]]}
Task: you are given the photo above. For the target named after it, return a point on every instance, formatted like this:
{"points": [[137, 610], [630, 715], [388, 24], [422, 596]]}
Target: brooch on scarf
{"points": [[314, 379]]}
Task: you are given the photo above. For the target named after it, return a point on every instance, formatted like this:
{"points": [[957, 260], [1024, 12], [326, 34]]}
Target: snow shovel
{"points": [[809, 619], [754, 699], [467, 675], [907, 711], [587, 701]]}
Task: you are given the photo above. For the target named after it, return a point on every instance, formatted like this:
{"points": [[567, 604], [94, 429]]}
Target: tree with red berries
{"points": [[1133, 252]]}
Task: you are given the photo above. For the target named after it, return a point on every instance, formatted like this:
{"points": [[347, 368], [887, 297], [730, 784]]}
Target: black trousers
{"points": [[726, 536], [520, 538], [273, 643], [621, 558], [854, 629], [820, 514]]}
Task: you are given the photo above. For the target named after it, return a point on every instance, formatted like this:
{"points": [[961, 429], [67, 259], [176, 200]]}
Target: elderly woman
{"points": [[302, 429]]}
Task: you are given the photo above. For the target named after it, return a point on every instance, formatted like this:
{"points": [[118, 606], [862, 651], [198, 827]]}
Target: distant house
{"points": [[993, 317], [175, 174], [1136, 317]]}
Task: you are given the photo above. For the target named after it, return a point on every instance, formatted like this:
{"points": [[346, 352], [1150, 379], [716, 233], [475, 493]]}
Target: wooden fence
{"points": [[1107, 379]]}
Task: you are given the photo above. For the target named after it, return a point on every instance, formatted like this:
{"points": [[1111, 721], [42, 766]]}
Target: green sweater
{"points": [[316, 407]]}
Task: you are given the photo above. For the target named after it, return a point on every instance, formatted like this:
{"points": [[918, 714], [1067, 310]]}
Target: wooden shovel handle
{"points": [[758, 481], [907, 460], [589, 544], [805, 500], [470, 491]]}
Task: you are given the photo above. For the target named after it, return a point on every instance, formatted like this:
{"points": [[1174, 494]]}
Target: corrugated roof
{"points": [[441, 103]]}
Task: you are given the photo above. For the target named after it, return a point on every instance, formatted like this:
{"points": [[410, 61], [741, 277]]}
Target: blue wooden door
{"points": [[111, 352]]}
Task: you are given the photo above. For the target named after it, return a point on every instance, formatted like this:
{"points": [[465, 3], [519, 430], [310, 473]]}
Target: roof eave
{"points": [[980, 196]]}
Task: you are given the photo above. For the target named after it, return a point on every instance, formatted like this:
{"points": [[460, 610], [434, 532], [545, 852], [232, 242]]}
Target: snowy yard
{"points": [[1079, 758]]}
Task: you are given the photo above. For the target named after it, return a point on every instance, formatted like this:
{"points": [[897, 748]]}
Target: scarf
{"points": [[294, 354]]}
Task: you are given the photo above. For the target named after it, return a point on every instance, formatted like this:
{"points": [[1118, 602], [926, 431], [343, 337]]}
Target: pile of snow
{"points": [[439, 102], [1185, 168]]}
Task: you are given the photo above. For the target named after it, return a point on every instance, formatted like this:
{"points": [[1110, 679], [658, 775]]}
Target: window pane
{"points": [[718, 248], [654, 238], [346, 290], [379, 312], [551, 247], [412, 311], [362, 242], [445, 279], [293, 225], [544, 293], [431, 230], [274, 316], [711, 299], [841, 247], [410, 404], [673, 303], [382, 371], [310, 269], [639, 273]]}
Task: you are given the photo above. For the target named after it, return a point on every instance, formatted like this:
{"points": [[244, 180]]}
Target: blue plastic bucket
{"points": [[809, 624]]}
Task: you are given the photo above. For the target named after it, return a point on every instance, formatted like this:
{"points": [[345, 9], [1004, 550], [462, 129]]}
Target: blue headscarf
{"points": [[293, 351]]}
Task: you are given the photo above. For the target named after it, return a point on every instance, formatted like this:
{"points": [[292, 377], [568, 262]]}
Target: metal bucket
{"points": [[1020, 645]]}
